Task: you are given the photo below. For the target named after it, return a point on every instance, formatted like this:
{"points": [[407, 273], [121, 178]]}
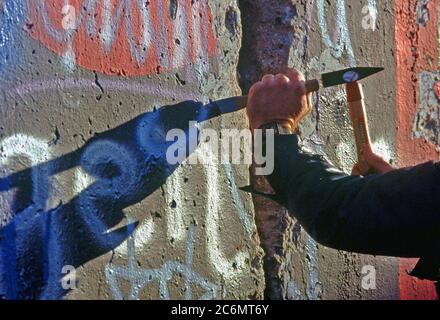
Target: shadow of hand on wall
{"points": [[113, 170]]}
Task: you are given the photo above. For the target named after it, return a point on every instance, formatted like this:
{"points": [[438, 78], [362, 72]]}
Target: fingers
{"points": [[380, 165], [377, 162], [295, 75], [255, 87], [309, 102], [279, 79], [356, 171], [291, 75], [293, 78], [268, 78], [278, 97], [297, 80]]}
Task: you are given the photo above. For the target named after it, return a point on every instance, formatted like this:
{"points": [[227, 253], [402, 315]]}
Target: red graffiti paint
{"points": [[416, 48], [125, 37], [436, 89]]}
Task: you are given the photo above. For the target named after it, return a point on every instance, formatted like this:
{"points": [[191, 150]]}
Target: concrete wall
{"points": [[83, 181], [417, 39], [78, 110], [317, 36]]}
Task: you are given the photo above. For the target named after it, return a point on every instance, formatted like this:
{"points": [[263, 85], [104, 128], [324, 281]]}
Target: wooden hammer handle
{"points": [[312, 85], [356, 106]]}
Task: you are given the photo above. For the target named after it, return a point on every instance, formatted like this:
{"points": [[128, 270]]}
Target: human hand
{"points": [[376, 163], [281, 98]]}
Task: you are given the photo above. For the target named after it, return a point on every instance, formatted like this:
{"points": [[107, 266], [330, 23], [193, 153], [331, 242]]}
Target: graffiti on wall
{"points": [[337, 41], [124, 37], [342, 44], [123, 165], [110, 174], [417, 40], [140, 278], [427, 120], [120, 167], [101, 195]]}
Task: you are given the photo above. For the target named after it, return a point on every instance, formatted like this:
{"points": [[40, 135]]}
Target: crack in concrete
{"points": [[266, 41]]}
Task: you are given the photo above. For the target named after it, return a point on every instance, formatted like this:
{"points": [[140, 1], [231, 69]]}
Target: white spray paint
{"points": [[139, 278], [245, 219], [201, 66], [140, 53], [370, 12], [104, 152], [37, 152], [142, 237], [346, 161], [69, 25], [217, 258], [20, 147], [383, 149], [175, 206], [343, 41], [110, 23], [181, 52]]}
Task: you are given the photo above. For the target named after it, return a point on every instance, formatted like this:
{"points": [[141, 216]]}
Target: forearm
{"points": [[391, 214]]}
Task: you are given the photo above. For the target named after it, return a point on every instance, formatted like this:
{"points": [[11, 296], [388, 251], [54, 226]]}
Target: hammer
{"points": [[355, 99]]}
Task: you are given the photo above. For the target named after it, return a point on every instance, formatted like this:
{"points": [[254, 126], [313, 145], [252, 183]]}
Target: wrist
{"points": [[280, 126]]}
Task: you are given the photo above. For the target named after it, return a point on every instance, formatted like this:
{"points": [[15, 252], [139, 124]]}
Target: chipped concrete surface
{"points": [[83, 128], [427, 120], [322, 36], [82, 119], [417, 61]]}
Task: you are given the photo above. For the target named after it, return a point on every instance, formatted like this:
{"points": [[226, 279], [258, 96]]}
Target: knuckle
{"points": [[296, 75], [294, 71], [298, 86], [281, 79], [268, 77], [256, 88]]}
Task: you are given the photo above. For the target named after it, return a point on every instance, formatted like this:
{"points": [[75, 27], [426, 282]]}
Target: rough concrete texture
{"points": [[417, 40], [318, 36], [78, 107], [83, 118]]}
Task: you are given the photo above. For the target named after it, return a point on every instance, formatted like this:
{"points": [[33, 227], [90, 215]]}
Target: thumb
{"points": [[379, 163], [356, 170]]}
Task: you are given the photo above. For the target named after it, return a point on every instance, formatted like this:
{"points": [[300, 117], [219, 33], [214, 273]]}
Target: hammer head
{"points": [[348, 75]]}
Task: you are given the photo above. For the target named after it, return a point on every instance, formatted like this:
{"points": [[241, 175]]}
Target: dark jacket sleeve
{"points": [[393, 214]]}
